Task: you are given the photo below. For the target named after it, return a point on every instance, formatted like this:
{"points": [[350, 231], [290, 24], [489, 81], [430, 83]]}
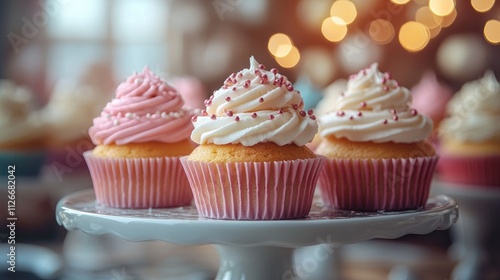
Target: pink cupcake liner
{"points": [[139, 182], [253, 190], [470, 171], [377, 184]]}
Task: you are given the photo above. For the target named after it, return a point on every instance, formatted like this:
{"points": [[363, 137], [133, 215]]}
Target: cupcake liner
{"points": [[253, 190], [470, 170], [377, 184], [27, 163], [139, 182]]}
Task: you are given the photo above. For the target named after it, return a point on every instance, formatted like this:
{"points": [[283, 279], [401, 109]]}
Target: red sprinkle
{"points": [[257, 72], [240, 75], [254, 115], [413, 112], [261, 100], [360, 114], [228, 99], [289, 87], [363, 104], [395, 118], [194, 118], [310, 112], [204, 113], [234, 88], [237, 118], [280, 111], [393, 111], [303, 113], [271, 117], [340, 113], [262, 66], [295, 106], [385, 121], [213, 116], [313, 117], [351, 118], [274, 71], [229, 113]]}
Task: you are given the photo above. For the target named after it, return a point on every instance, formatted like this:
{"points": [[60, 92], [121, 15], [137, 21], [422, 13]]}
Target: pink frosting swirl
{"points": [[145, 109]]}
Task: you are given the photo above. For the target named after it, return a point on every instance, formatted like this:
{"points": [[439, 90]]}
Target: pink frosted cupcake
{"points": [[470, 154], [139, 138], [378, 156], [252, 162]]}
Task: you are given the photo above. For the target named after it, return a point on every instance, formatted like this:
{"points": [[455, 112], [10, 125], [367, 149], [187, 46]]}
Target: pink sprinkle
{"points": [[257, 72], [386, 88], [413, 112], [274, 71], [261, 100], [351, 118], [237, 118], [395, 118], [213, 116], [280, 111], [233, 75], [271, 117], [385, 121], [363, 104], [194, 118], [313, 117], [234, 88], [393, 111], [254, 115], [204, 113], [360, 114], [310, 112], [228, 99], [229, 113], [262, 66], [340, 113], [245, 85], [303, 113], [295, 106], [289, 88], [240, 75]]}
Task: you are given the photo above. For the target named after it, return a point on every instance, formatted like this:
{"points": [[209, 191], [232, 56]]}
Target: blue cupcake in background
{"points": [[22, 134]]}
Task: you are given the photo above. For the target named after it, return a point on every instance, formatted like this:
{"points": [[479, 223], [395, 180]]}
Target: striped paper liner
{"points": [[480, 171]]}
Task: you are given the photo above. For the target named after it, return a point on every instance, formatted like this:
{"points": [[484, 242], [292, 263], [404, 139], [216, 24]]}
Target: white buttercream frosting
{"points": [[253, 106], [474, 112], [375, 108]]}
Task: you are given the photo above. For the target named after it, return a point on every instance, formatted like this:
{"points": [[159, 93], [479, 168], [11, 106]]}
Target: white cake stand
{"points": [[252, 249]]}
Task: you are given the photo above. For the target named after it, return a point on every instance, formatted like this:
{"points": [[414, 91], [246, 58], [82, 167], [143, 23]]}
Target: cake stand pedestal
{"points": [[475, 237], [254, 249]]}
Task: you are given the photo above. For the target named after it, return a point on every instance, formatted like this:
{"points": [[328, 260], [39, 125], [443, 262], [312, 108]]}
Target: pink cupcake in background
{"points": [[192, 90], [470, 135], [252, 162], [430, 98], [139, 138]]}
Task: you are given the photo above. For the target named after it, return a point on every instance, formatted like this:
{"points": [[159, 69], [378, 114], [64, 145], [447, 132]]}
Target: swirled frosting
{"points": [[145, 109], [255, 106], [474, 112], [375, 108], [19, 121]]}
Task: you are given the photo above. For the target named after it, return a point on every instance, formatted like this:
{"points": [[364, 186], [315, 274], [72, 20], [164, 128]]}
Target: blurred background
{"points": [[69, 55]]}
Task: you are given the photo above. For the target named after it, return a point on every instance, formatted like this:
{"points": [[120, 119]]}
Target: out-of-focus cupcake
{"points": [[68, 115], [192, 90], [430, 98], [252, 162], [22, 140], [378, 157], [471, 135], [139, 138]]}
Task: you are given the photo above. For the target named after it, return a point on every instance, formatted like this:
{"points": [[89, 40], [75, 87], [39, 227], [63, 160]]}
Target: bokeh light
{"points": [[425, 16], [312, 12], [414, 36], [447, 20], [334, 29], [280, 45], [381, 31], [345, 10], [400, 2], [442, 7], [482, 5], [492, 31], [289, 60]]}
